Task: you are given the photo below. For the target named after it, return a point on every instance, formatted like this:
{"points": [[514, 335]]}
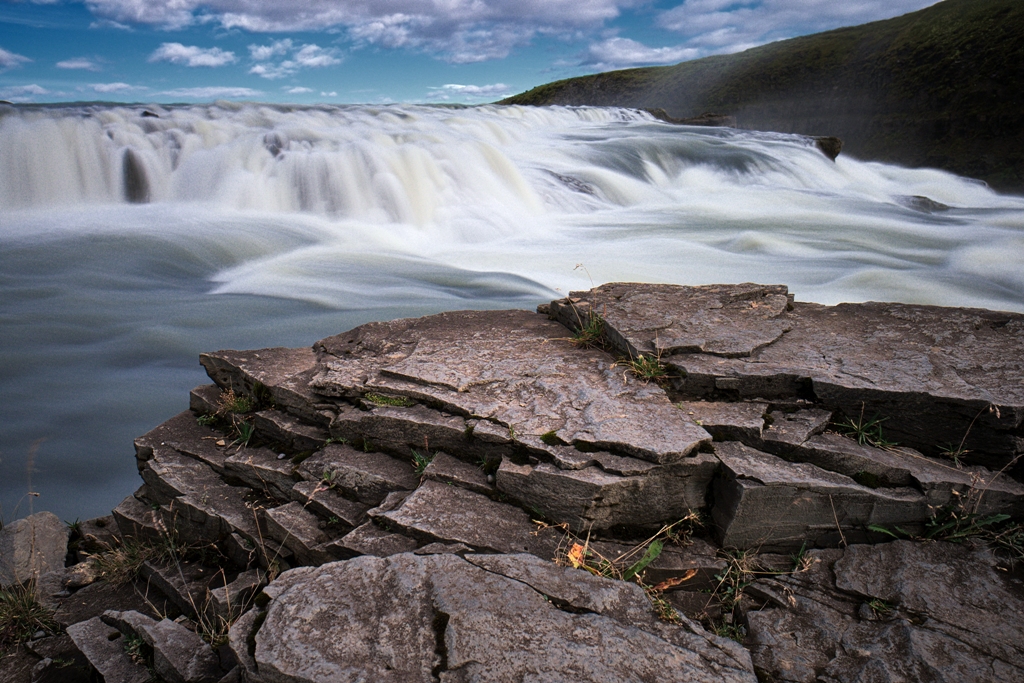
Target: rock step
{"points": [[935, 375]]}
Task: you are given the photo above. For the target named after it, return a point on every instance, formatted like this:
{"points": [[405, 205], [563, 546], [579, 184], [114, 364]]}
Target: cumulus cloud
{"points": [[212, 93], [23, 93], [309, 56], [114, 87], [191, 55], [618, 53], [723, 26], [458, 31], [79, 63], [298, 90], [9, 60], [446, 92]]}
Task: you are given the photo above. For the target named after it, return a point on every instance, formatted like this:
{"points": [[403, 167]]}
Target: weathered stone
{"points": [[284, 375], [137, 520], [368, 477], [61, 662], [31, 547], [130, 623], [204, 399], [102, 646], [449, 514], [767, 503], [785, 430], [284, 429], [329, 504], [298, 530], [899, 611], [226, 603], [728, 421], [515, 368], [262, 470], [184, 582], [96, 535], [592, 498], [183, 434], [370, 539], [445, 469], [211, 515], [82, 574], [935, 375], [660, 320], [241, 642], [97, 598], [181, 656], [399, 429], [540, 620]]}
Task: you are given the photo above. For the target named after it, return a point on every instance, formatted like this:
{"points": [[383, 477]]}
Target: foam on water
{"points": [[128, 244]]}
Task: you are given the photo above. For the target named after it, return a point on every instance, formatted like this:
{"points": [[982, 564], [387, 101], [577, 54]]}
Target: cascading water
{"points": [[130, 241]]}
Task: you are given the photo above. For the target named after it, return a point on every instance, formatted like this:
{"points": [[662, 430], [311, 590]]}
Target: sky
{"points": [[374, 51]]}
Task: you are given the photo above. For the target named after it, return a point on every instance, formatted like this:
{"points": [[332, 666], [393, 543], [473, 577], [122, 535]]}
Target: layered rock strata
{"points": [[416, 478]]}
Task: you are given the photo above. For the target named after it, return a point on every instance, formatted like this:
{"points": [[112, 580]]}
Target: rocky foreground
{"points": [[635, 483]]}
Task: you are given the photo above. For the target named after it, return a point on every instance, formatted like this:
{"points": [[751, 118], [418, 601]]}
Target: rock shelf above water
{"points": [[416, 477]]}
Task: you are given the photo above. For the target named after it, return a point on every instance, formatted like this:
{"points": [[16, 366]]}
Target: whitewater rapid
{"points": [[130, 241]]}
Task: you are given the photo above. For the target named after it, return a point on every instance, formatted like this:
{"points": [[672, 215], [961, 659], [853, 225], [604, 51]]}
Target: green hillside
{"points": [[942, 87]]}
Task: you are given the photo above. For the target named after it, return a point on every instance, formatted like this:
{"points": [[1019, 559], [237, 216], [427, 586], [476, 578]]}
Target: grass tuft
{"points": [[393, 401], [21, 616], [590, 335]]}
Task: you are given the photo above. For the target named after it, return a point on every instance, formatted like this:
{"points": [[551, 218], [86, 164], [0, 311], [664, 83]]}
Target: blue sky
{"points": [[374, 51]]}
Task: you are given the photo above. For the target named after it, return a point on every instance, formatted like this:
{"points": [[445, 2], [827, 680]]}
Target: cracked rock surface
{"points": [[482, 618]]}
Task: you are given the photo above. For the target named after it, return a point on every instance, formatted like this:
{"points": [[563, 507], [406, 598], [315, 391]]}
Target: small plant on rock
{"points": [[393, 401], [646, 367], [590, 333], [420, 462], [865, 431], [244, 432], [233, 404]]}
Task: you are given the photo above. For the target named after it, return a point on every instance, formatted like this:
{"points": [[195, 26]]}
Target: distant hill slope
{"points": [[941, 87]]}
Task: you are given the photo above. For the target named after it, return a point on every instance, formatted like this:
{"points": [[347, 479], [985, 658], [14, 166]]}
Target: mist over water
{"points": [[128, 244]]}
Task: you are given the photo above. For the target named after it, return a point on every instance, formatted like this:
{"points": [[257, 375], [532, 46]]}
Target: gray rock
{"points": [[792, 429], [728, 421], [298, 530], [767, 503], [262, 470], [30, 547], [181, 656], [329, 504], [184, 582], [445, 469], [137, 520], [102, 646], [449, 514], [82, 574], [226, 603], [936, 376], [289, 432], [61, 662], [183, 434], [284, 373], [368, 477], [130, 623], [370, 539], [592, 498], [399, 429], [659, 320], [204, 399], [97, 598], [513, 368], [899, 611], [541, 622]]}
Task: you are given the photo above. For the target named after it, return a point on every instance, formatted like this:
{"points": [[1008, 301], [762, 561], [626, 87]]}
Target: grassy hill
{"points": [[941, 87]]}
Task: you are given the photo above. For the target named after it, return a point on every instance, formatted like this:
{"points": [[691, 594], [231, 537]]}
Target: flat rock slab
{"points": [[513, 368], [298, 530], [31, 547], [367, 477], [659, 320], [496, 618], [102, 645], [448, 514], [766, 503], [592, 498], [900, 611]]}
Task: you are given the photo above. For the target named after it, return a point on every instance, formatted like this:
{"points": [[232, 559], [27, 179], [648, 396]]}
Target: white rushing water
{"points": [[129, 243]]}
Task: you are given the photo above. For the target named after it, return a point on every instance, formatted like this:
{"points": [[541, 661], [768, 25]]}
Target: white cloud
{"points": [[446, 92], [23, 93], [114, 87], [328, 94], [79, 63], [309, 56], [9, 60], [459, 31], [191, 55], [725, 26], [299, 90], [618, 53], [212, 93]]}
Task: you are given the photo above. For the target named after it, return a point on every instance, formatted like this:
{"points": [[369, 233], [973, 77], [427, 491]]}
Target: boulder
{"points": [[30, 547], [541, 621], [102, 645]]}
